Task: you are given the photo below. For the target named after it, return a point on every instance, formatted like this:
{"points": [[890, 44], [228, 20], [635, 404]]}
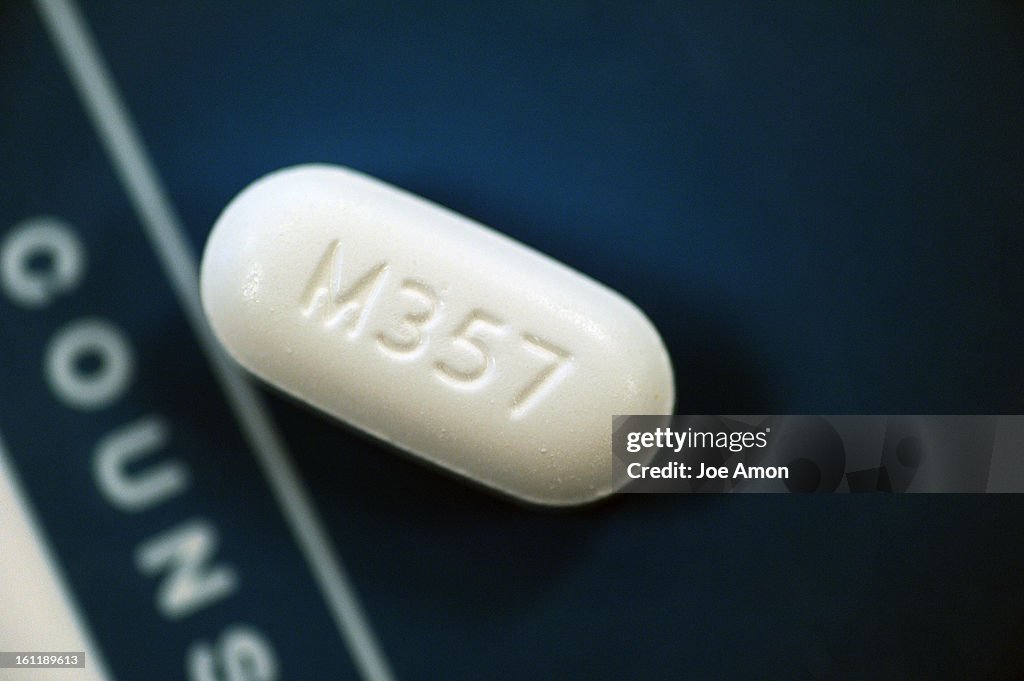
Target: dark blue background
{"points": [[819, 205]]}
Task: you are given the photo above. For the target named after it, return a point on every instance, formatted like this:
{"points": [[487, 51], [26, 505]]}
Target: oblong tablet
{"points": [[431, 332]]}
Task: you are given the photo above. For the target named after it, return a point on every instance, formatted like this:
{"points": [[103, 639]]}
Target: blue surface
{"points": [[820, 206]]}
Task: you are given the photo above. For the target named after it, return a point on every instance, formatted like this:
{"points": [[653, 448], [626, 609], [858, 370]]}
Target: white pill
{"points": [[431, 332]]}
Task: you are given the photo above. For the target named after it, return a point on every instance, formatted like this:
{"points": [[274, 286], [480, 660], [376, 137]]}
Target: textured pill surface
{"points": [[431, 332]]}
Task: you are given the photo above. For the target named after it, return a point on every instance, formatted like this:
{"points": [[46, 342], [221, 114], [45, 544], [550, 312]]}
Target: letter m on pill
{"points": [[335, 304]]}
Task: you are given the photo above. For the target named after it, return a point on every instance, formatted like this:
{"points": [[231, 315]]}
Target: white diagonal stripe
{"points": [[138, 176]]}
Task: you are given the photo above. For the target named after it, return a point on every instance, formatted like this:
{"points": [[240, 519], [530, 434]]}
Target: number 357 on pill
{"points": [[431, 332]]}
